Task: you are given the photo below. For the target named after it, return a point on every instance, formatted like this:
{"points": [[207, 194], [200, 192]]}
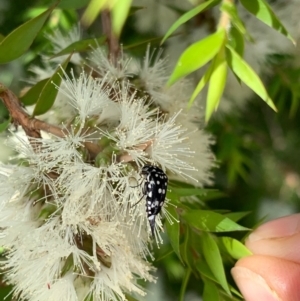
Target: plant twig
{"points": [[112, 39], [31, 126], [225, 19]]}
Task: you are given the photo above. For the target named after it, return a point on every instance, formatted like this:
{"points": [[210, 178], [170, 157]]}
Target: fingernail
{"points": [[253, 286], [282, 227]]}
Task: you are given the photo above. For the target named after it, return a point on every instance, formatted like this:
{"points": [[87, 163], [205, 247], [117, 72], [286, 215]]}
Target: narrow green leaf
{"points": [[247, 75], [72, 4], [5, 292], [214, 260], [93, 10], [49, 92], [236, 41], [68, 4], [203, 268], [81, 46], [211, 291], [32, 95], [151, 41], [185, 248], [197, 55], [68, 265], [262, 11], [235, 292], [4, 125], [18, 41], [187, 191], [119, 14], [216, 84], [202, 83], [189, 15], [212, 194], [205, 194], [236, 216], [207, 220], [173, 231], [184, 283], [235, 248]]}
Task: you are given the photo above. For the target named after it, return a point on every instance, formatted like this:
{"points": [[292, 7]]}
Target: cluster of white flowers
{"points": [[68, 219]]}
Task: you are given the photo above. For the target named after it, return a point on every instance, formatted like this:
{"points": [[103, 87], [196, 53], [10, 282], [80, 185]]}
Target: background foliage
{"points": [[257, 149]]}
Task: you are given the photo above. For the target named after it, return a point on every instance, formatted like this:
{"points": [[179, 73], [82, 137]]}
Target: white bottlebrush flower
{"points": [[87, 95], [72, 224], [106, 68], [61, 40], [153, 71], [41, 72]]}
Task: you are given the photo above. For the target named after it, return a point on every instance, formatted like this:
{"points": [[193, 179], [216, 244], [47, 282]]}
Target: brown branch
{"points": [[112, 39], [31, 126]]}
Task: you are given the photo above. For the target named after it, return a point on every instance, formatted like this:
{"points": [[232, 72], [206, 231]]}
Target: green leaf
{"points": [[1, 37], [5, 292], [185, 251], [207, 220], [48, 94], [211, 291], [68, 264], [247, 75], [236, 292], [236, 41], [203, 268], [214, 260], [72, 4], [173, 231], [216, 84], [68, 4], [119, 14], [18, 41], [205, 194], [235, 248], [4, 125], [236, 216], [189, 15], [203, 81], [32, 95], [262, 11], [212, 194], [184, 283], [187, 191], [197, 55], [93, 10], [151, 41], [81, 46]]}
